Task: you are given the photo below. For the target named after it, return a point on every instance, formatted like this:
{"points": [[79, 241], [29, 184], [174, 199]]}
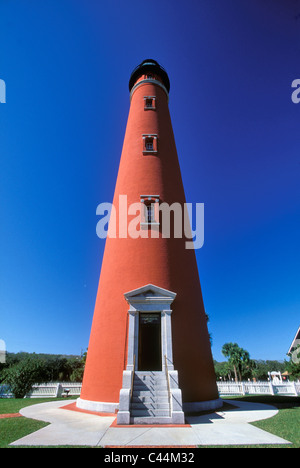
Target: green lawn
{"points": [[12, 429], [285, 424], [13, 405]]}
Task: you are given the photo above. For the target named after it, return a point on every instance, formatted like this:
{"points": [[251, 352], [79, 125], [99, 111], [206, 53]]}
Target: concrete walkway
{"points": [[228, 427]]}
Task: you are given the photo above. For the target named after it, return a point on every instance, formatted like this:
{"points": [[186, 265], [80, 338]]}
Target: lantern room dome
{"points": [[149, 66]]}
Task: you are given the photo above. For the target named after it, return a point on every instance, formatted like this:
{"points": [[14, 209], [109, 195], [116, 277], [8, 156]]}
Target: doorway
{"points": [[149, 356]]}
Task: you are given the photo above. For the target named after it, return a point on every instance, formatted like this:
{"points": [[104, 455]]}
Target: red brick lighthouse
{"points": [[149, 355]]}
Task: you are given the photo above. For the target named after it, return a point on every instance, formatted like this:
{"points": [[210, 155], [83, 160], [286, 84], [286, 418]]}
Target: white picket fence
{"points": [[46, 390], [59, 389], [258, 388]]}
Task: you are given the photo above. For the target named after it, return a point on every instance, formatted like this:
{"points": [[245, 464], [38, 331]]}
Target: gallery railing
{"points": [[132, 378], [168, 382]]}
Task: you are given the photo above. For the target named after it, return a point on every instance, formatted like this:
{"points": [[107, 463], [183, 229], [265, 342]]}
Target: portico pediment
{"points": [[150, 295]]}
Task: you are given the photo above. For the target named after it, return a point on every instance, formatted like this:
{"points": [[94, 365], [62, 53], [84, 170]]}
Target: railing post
{"points": [[295, 389], [132, 378], [168, 383], [58, 391]]}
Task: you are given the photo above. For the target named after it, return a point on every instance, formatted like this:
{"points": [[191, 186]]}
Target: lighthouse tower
{"points": [[149, 357]]}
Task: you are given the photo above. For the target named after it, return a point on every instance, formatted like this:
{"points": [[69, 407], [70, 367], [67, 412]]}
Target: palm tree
{"points": [[237, 357]]}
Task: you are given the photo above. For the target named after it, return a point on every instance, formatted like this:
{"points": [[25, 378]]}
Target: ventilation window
{"points": [[149, 144], [149, 102], [150, 214]]}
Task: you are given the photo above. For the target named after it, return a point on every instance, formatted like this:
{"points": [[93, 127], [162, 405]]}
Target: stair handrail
{"points": [[168, 382], [132, 377]]}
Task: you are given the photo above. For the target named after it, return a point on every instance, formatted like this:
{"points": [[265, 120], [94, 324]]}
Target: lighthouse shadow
{"points": [[207, 417]]}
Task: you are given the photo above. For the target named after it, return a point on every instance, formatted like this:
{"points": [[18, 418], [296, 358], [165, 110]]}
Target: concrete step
{"points": [[149, 382], [149, 399], [161, 383], [150, 405], [147, 378], [145, 374], [150, 420], [150, 377], [150, 412], [146, 393], [151, 387]]}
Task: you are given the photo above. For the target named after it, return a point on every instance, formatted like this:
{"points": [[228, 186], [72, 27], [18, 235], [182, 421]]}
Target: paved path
{"points": [[228, 427]]}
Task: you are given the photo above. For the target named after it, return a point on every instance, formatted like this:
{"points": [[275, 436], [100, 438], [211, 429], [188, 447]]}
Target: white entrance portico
{"points": [[150, 350], [149, 300]]}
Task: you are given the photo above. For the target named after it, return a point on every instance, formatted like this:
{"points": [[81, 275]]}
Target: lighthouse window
{"points": [[149, 102], [150, 209], [149, 144]]}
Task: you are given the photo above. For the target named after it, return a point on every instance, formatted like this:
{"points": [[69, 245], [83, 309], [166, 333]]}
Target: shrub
{"points": [[20, 377]]}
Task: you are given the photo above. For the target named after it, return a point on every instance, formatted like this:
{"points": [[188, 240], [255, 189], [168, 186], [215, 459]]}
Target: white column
{"points": [[131, 338], [167, 337]]}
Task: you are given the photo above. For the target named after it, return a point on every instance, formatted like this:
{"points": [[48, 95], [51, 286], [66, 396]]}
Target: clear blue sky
{"points": [[66, 65]]}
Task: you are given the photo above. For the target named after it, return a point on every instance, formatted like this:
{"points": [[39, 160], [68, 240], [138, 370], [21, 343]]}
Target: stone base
{"points": [[97, 406]]}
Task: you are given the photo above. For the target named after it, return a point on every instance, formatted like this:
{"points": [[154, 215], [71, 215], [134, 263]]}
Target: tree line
{"points": [[239, 366]]}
